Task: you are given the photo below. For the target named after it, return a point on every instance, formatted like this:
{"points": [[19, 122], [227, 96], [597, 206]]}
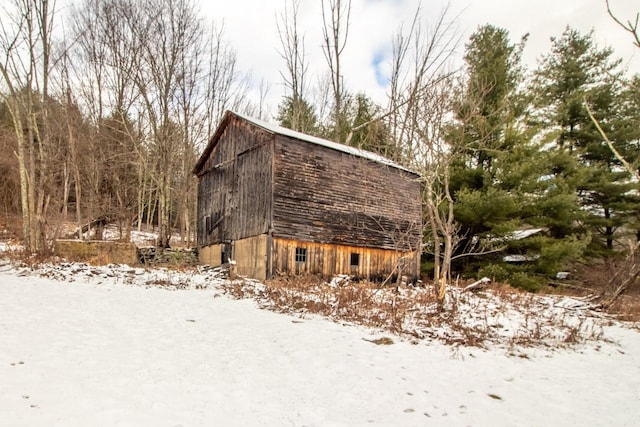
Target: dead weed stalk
{"points": [[499, 315]]}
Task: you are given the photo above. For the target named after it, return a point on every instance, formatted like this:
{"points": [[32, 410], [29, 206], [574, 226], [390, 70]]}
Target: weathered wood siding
{"points": [[210, 255], [329, 260], [327, 196], [251, 256], [234, 186]]}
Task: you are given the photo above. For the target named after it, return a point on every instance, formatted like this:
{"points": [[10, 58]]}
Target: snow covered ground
{"points": [[94, 349]]}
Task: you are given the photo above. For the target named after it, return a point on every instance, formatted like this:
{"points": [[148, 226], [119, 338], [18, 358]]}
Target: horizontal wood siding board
{"points": [[234, 184], [327, 196]]}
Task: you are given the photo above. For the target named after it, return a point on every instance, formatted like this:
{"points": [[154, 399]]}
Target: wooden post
{"points": [[232, 270]]}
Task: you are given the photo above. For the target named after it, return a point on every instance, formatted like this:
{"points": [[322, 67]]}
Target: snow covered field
{"points": [[102, 352]]}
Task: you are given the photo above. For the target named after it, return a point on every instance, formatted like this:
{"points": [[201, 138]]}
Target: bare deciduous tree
{"points": [[295, 109], [103, 66], [418, 111], [434, 158], [114, 124], [25, 66], [631, 26], [165, 37], [292, 50], [335, 32], [224, 87]]}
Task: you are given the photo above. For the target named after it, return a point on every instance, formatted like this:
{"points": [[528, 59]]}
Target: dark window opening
{"points": [[355, 261], [301, 255], [207, 221]]}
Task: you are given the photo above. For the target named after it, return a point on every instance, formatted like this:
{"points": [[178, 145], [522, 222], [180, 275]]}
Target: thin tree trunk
{"points": [[65, 191], [32, 195], [24, 177]]}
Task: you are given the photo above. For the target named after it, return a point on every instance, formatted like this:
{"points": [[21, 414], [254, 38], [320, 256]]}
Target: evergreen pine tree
{"points": [[297, 114], [576, 72], [490, 141]]}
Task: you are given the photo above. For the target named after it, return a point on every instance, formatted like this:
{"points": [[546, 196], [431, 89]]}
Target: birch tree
{"points": [[25, 66]]}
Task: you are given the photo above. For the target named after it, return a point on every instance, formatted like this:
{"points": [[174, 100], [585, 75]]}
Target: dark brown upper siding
{"points": [[234, 187], [328, 196]]}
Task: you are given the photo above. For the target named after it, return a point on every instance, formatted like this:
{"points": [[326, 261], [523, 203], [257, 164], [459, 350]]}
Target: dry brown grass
{"points": [[362, 303], [495, 315], [10, 226], [615, 284], [32, 260], [627, 308], [499, 314]]}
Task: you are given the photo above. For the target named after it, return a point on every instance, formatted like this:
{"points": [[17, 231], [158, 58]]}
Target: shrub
{"points": [[555, 255], [526, 281], [495, 272], [426, 268]]}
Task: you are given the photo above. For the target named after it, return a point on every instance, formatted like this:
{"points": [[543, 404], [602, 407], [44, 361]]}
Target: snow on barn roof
{"points": [[279, 130]]}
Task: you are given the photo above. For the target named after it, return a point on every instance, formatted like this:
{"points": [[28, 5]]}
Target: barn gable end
{"points": [[234, 184]]}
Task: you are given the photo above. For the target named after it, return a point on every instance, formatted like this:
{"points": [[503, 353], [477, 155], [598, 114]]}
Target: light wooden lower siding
{"points": [[250, 255], [329, 260], [210, 255]]}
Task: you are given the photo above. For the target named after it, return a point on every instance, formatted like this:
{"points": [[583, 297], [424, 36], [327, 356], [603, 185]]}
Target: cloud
{"points": [[251, 30]]}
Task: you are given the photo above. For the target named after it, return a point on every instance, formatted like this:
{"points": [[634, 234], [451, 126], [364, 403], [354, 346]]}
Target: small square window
{"points": [[301, 255], [355, 260]]}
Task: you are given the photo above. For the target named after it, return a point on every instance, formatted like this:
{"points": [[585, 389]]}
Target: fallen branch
{"points": [[478, 284], [569, 286], [620, 290]]}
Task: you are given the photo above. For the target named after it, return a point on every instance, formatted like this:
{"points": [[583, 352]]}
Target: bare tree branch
{"points": [[335, 31], [292, 45], [631, 27], [613, 149]]}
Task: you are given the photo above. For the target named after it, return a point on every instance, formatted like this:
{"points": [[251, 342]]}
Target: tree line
{"points": [[105, 115], [105, 119]]}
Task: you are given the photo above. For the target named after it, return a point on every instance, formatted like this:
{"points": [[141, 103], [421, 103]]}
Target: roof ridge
{"points": [[358, 152]]}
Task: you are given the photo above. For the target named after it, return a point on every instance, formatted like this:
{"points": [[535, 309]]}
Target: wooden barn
{"points": [[281, 202]]}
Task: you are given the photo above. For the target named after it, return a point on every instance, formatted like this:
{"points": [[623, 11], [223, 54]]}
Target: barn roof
{"points": [[279, 130]]}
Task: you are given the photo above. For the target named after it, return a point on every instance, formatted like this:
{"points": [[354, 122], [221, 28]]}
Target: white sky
{"points": [[251, 30]]}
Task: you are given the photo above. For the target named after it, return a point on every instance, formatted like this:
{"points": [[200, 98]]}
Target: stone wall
{"points": [[97, 251]]}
